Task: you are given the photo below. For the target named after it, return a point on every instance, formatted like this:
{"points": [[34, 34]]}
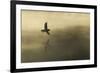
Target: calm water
{"points": [[67, 44]]}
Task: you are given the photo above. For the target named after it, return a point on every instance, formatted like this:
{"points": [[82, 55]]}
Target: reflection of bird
{"points": [[46, 28], [46, 45]]}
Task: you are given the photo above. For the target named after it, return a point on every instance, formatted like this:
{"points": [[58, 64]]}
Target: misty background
{"points": [[69, 37]]}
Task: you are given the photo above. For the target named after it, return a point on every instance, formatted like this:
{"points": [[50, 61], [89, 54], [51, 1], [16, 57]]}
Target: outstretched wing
{"points": [[48, 32], [45, 26]]}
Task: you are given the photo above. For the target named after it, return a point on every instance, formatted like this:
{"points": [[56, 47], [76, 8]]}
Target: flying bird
{"points": [[46, 28]]}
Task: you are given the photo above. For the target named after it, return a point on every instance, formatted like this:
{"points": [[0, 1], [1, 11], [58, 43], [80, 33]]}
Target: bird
{"points": [[46, 29]]}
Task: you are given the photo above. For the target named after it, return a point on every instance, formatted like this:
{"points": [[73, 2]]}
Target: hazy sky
{"points": [[34, 20]]}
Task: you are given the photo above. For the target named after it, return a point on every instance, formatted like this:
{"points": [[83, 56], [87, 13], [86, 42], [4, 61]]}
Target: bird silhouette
{"points": [[46, 28]]}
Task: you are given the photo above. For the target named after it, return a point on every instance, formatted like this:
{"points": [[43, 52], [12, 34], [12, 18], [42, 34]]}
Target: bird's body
{"points": [[46, 28]]}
